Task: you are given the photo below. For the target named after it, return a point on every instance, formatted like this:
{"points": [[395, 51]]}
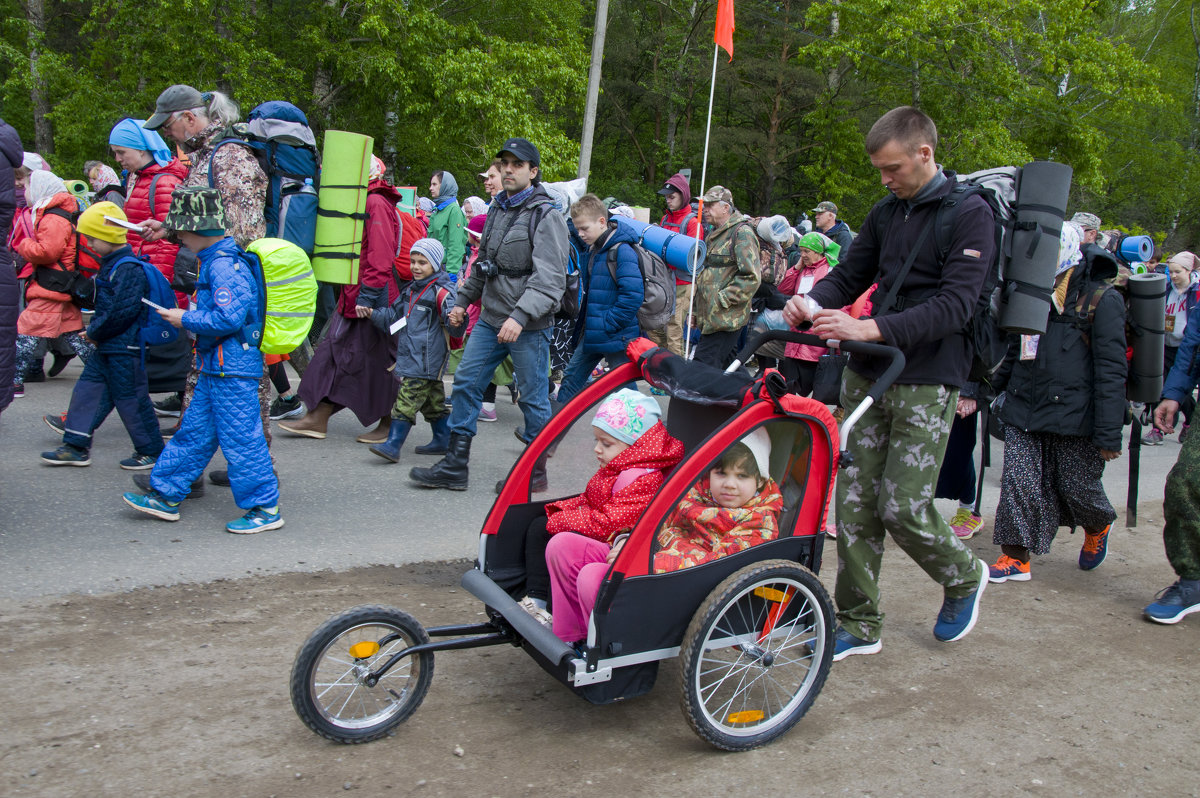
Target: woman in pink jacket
{"points": [[49, 253], [818, 254]]}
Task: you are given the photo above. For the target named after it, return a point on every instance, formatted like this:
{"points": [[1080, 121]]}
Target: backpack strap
{"points": [[889, 300], [154, 184], [213, 157]]}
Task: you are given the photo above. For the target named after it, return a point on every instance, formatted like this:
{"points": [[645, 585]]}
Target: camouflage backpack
{"points": [[771, 260]]}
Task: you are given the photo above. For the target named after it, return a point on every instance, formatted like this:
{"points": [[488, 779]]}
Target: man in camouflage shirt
{"points": [[731, 276], [194, 119]]}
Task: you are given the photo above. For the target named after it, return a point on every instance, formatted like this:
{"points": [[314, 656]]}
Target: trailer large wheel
{"points": [[756, 654], [329, 687]]}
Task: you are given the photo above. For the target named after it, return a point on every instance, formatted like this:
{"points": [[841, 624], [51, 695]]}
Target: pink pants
{"points": [[577, 567]]}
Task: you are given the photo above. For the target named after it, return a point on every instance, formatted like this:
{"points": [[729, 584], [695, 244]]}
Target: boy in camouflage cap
{"points": [[224, 409]]}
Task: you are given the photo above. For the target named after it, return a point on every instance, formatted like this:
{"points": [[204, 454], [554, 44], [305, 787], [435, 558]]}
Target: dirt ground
{"points": [[1062, 689]]}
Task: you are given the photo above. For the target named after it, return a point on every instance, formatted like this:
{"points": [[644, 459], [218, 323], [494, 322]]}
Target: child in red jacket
{"points": [[635, 452]]}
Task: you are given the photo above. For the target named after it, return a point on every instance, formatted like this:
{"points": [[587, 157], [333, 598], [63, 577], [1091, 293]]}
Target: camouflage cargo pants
{"points": [[897, 448], [1181, 511]]}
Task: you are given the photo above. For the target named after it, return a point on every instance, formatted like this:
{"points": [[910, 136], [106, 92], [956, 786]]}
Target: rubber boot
{"points": [[390, 449], [441, 437], [449, 472], [377, 435], [314, 423]]}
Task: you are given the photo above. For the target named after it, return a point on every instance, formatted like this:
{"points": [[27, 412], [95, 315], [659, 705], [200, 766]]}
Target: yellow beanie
{"points": [[91, 223]]}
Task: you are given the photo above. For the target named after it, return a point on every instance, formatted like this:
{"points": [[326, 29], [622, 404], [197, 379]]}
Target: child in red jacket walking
{"points": [[635, 452]]}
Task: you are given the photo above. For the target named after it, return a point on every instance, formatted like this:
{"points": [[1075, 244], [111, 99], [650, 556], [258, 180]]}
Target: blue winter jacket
{"points": [[1185, 374], [227, 303], [608, 315], [120, 286], [421, 351]]}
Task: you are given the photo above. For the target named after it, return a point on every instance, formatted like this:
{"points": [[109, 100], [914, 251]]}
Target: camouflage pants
{"points": [[897, 448], [427, 397], [671, 336], [1181, 511]]}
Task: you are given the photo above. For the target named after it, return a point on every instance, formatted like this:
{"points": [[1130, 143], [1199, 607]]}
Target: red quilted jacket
{"points": [[601, 514], [137, 207]]}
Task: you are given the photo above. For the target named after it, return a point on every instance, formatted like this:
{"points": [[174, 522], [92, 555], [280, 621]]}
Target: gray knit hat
{"points": [[433, 251]]}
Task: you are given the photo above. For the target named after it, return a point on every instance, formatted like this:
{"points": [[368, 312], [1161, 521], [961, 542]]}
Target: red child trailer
{"points": [[753, 630]]}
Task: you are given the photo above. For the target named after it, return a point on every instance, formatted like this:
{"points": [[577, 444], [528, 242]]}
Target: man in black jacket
{"points": [[898, 444]]}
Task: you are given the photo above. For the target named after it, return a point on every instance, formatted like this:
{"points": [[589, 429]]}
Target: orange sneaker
{"points": [[1008, 569], [1095, 548]]}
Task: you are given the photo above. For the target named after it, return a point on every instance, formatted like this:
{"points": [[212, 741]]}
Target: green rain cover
{"points": [[291, 294]]}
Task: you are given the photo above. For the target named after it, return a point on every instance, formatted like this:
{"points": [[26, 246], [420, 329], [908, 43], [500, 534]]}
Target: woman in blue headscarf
{"points": [[447, 223], [153, 173]]}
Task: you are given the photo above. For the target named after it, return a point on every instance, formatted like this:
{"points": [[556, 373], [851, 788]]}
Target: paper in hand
{"points": [[154, 305], [115, 222]]}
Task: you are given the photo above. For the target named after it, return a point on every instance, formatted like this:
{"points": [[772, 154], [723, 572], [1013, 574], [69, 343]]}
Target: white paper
{"points": [[398, 325], [806, 283], [154, 305], [115, 222]]}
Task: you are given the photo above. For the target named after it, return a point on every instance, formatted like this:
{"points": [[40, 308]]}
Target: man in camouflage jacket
{"points": [[731, 276]]}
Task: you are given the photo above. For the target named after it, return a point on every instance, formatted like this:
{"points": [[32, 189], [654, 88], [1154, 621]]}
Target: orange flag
{"points": [[724, 33]]}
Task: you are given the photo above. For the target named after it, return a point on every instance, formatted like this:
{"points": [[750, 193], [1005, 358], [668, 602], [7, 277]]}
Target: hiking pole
{"points": [[985, 455], [1135, 456]]}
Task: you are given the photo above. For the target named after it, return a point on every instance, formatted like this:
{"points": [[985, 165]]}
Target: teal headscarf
{"points": [[823, 245], [130, 134]]}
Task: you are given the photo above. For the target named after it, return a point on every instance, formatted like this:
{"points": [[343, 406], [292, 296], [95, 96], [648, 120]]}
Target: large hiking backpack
{"points": [[287, 293], [772, 261], [278, 135], [997, 187], [658, 287]]}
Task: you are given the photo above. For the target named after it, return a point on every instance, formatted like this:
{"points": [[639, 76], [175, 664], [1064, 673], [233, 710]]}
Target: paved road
{"points": [[66, 530]]}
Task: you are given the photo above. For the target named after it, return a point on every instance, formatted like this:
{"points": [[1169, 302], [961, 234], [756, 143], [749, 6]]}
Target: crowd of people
{"points": [[482, 286]]}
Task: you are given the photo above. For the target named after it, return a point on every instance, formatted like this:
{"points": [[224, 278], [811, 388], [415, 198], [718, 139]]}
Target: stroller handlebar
{"points": [[889, 376]]}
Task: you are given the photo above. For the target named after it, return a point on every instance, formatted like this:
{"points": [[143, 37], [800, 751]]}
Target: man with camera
{"points": [[519, 280]]}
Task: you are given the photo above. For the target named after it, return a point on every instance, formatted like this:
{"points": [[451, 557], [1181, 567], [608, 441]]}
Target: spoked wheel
{"points": [[329, 678], [756, 655]]}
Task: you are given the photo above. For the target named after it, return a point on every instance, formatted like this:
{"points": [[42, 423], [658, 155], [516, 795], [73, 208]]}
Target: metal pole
{"points": [[593, 90], [712, 87]]}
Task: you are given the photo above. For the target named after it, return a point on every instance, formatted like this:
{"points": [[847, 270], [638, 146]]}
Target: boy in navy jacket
{"points": [[611, 297], [115, 377]]}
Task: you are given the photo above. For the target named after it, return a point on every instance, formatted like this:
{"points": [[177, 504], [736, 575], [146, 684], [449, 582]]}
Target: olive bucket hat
{"points": [[196, 210]]}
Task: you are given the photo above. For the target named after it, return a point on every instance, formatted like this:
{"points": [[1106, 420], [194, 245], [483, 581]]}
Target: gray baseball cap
{"points": [[176, 98]]}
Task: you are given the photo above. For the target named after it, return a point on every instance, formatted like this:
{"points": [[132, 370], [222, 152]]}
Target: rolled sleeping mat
{"points": [[1136, 249], [676, 249], [1033, 260], [1147, 315], [77, 188], [342, 206]]}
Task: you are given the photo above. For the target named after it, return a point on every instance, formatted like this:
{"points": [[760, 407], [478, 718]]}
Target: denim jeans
{"points": [[481, 355], [575, 378]]}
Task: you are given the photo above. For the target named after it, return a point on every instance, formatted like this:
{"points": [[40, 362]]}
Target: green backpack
{"points": [[290, 289]]}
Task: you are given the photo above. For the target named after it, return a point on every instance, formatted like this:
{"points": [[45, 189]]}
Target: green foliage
{"points": [[1111, 87]]}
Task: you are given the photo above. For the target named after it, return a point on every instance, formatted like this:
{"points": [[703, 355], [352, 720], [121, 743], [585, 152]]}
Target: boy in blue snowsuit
{"points": [[421, 350], [224, 410], [115, 377]]}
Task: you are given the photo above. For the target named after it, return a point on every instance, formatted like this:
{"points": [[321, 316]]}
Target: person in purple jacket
{"points": [[897, 449], [10, 295]]}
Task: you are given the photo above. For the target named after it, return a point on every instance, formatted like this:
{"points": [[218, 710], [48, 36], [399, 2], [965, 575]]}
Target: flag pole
{"points": [[712, 89]]}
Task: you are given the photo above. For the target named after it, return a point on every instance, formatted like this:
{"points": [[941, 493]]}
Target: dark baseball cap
{"points": [[668, 189], [523, 149], [177, 98]]}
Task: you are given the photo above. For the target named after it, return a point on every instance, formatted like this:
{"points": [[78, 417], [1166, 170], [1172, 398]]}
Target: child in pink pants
{"points": [[635, 452]]}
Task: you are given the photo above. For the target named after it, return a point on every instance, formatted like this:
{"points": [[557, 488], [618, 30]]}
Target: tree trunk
{"points": [[43, 134]]}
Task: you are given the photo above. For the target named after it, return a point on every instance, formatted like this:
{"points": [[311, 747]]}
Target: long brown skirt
{"points": [[350, 369]]}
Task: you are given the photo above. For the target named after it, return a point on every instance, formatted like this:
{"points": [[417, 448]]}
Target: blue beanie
{"points": [[433, 251]]}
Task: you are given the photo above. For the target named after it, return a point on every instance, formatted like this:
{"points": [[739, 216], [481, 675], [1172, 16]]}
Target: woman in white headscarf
{"points": [[50, 258], [1063, 409]]}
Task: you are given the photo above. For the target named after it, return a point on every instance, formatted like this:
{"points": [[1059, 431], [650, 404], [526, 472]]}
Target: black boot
{"points": [[449, 472], [538, 481], [390, 449], [441, 437]]}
